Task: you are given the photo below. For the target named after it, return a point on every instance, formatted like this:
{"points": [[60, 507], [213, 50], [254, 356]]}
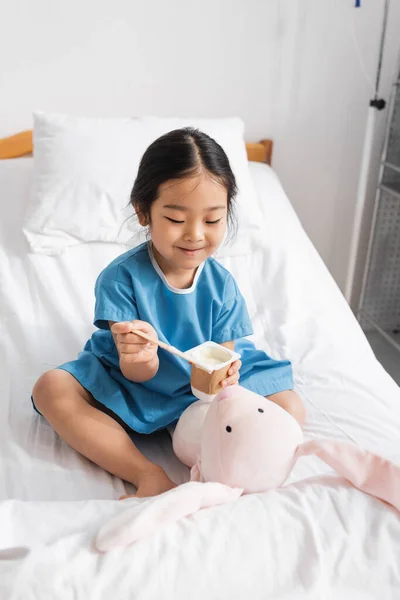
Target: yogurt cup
{"points": [[210, 365]]}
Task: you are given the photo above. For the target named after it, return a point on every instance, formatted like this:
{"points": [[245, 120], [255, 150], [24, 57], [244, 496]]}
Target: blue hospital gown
{"points": [[134, 287]]}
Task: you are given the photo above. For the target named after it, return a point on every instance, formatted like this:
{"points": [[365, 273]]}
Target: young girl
{"points": [[170, 288]]}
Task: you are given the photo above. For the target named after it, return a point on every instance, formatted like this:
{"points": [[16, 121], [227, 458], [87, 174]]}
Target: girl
{"points": [[169, 287]]}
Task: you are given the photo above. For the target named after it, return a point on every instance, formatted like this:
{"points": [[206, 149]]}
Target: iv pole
{"points": [[375, 104]]}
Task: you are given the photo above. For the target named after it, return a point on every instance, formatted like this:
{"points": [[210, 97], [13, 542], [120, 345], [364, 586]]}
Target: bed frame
{"points": [[21, 145]]}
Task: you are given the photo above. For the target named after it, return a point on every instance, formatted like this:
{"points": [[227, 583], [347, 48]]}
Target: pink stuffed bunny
{"points": [[243, 443]]}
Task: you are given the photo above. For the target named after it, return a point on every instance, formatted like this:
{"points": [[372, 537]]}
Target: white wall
{"points": [[329, 53], [289, 68]]}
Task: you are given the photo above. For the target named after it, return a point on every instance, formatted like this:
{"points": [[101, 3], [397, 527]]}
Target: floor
{"points": [[386, 354]]}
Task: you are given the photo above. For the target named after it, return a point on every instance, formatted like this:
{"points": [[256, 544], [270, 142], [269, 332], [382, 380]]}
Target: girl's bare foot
{"points": [[152, 483]]}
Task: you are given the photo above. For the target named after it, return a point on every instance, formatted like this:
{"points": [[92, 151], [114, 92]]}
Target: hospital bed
{"points": [[317, 537]]}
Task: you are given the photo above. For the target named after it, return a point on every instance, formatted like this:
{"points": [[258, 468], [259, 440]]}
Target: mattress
{"points": [[317, 537]]}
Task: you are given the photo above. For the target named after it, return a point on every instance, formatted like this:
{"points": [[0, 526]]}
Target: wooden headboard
{"points": [[21, 145]]}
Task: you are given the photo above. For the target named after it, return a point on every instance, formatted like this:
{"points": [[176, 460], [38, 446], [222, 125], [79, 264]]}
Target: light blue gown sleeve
{"points": [[115, 298], [233, 321]]}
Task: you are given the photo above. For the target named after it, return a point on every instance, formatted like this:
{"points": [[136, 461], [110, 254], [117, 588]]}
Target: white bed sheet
{"points": [[317, 538]]}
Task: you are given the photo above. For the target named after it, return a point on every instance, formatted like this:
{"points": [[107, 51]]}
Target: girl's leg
{"points": [[291, 402], [69, 409]]}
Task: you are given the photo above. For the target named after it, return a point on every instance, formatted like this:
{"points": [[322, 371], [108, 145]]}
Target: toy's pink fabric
{"points": [[368, 472], [187, 435], [147, 516], [248, 444], [247, 441]]}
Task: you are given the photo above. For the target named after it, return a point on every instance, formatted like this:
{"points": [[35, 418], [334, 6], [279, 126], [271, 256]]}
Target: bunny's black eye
{"points": [[260, 410], [228, 428]]}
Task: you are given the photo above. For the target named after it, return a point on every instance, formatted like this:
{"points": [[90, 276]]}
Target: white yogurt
{"points": [[211, 356]]}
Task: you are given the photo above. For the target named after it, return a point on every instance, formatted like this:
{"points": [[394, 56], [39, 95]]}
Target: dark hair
{"points": [[178, 154]]}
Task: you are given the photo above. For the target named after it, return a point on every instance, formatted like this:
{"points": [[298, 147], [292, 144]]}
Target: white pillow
{"points": [[83, 172], [84, 169]]}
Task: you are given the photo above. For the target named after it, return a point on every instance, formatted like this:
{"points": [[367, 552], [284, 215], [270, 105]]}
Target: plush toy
{"points": [[242, 443]]}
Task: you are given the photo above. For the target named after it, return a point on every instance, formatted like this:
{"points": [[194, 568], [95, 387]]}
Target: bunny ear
{"points": [[145, 518], [368, 472]]}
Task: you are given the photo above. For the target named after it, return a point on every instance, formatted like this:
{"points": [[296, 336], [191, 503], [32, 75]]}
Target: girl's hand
{"points": [[132, 348], [233, 374]]}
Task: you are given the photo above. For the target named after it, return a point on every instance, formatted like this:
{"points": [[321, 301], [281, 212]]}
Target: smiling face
{"points": [[187, 223]]}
